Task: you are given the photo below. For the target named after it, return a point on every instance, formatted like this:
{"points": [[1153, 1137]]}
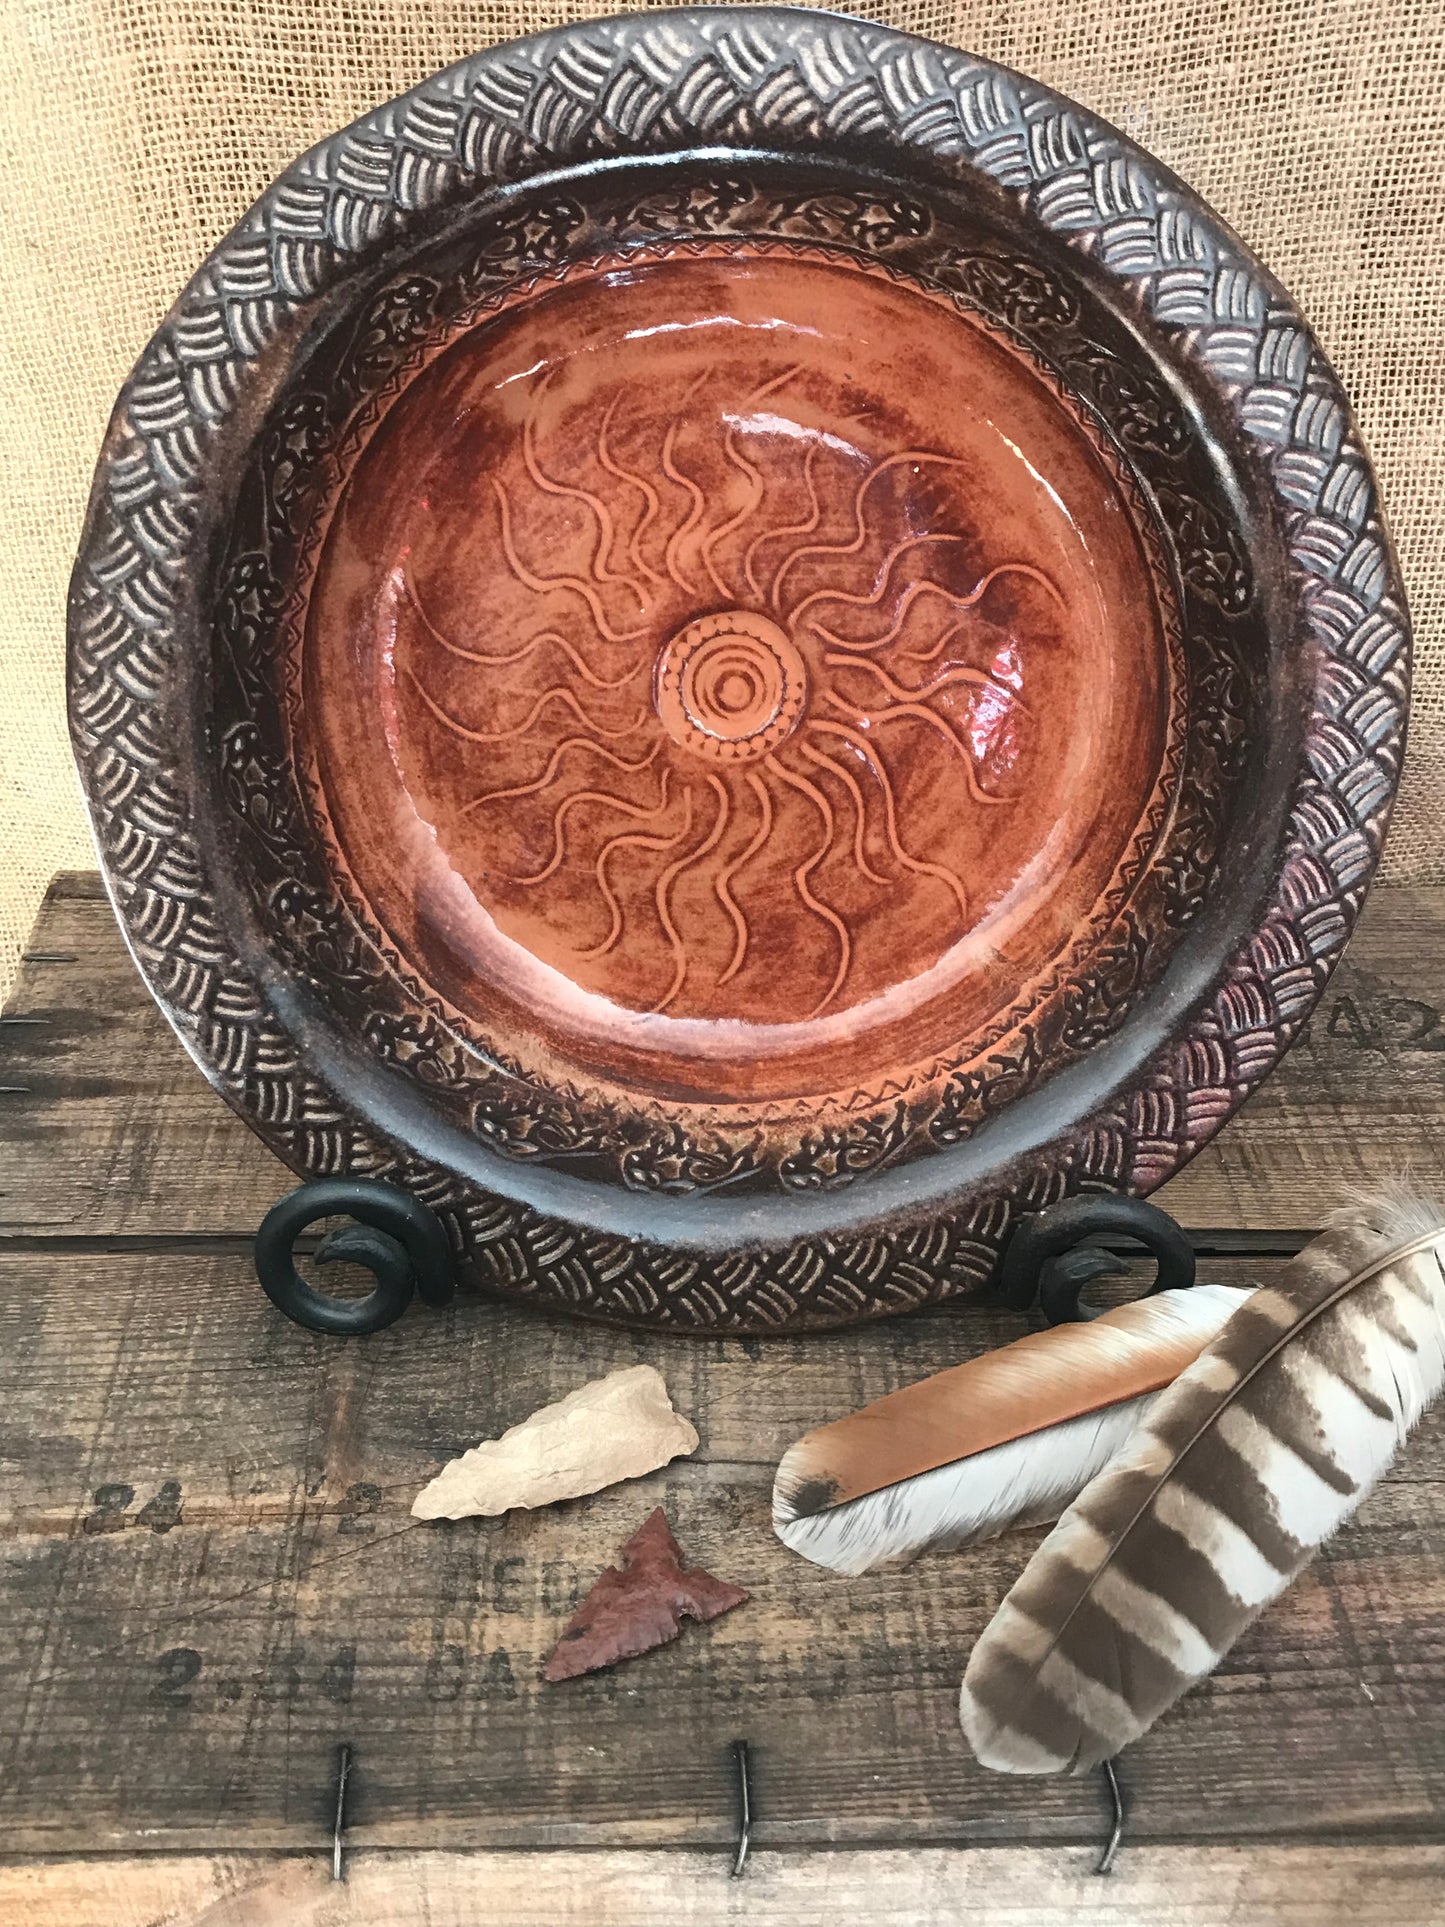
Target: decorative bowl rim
{"points": [[735, 82]]}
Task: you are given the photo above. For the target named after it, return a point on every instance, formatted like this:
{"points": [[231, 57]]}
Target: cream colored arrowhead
{"points": [[613, 1428]]}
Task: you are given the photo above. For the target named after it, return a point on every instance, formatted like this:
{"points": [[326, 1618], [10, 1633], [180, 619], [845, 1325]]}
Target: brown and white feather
{"points": [[1006, 1439], [1240, 1470]]}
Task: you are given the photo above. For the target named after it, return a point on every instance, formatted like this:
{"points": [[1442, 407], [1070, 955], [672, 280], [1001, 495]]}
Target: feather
{"points": [[1246, 1464], [1006, 1439]]}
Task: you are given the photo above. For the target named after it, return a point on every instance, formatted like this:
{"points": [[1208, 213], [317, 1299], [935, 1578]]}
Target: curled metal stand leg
{"points": [[395, 1236], [1048, 1264]]}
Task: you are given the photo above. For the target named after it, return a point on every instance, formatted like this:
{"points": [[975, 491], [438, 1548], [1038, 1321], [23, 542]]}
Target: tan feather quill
{"points": [[1006, 1439], [1250, 1460]]}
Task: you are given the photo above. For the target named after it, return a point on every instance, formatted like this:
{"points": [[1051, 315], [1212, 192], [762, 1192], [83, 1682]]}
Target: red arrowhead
{"points": [[639, 1605]]}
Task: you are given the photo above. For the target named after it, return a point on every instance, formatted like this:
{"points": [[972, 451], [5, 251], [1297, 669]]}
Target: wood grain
{"points": [[1150, 1887], [108, 1130], [209, 1576]]}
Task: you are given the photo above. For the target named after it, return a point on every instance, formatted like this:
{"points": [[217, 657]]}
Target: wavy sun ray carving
{"points": [[730, 659]]}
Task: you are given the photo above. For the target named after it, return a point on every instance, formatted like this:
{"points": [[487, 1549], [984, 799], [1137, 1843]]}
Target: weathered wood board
{"points": [[922, 1887], [209, 1577]]}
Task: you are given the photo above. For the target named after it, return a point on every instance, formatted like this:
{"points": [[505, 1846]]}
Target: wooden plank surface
{"points": [[108, 1130], [1151, 1887], [209, 1576]]}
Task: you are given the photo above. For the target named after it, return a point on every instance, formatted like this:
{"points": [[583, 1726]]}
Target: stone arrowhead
{"points": [[639, 1605], [612, 1428]]}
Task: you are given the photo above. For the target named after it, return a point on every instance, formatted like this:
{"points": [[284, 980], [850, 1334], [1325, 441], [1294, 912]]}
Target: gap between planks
{"points": [[1207, 1243]]}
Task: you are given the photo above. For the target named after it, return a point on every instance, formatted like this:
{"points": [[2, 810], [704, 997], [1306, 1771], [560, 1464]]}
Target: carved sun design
{"points": [[729, 640]]}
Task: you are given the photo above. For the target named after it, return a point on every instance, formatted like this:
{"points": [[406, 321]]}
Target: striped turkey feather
{"points": [[1006, 1439], [1240, 1470]]}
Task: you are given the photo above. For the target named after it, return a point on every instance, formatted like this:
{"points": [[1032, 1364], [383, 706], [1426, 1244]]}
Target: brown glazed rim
{"points": [[729, 83]]}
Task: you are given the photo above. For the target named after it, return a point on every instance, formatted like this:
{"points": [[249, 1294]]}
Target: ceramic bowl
{"points": [[735, 646]]}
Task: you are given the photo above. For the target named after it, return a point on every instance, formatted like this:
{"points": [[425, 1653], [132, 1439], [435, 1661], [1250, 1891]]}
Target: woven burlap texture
{"points": [[135, 132]]}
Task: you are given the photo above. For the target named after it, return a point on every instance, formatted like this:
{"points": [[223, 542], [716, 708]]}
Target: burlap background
{"points": [[134, 132]]}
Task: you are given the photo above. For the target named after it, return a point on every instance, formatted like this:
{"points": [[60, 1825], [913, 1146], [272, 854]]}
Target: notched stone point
{"points": [[610, 1429], [640, 1605]]}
